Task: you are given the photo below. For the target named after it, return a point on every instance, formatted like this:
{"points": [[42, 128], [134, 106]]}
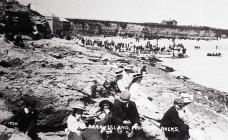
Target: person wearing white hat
{"points": [[75, 123]]}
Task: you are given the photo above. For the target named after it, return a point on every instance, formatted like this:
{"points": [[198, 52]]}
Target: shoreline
{"points": [[208, 93]]}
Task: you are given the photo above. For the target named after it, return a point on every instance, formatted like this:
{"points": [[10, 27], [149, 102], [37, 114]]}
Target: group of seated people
{"points": [[115, 120], [118, 121], [121, 121]]}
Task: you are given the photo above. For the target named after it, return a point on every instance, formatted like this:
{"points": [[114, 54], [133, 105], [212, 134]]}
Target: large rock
{"points": [[11, 62]]}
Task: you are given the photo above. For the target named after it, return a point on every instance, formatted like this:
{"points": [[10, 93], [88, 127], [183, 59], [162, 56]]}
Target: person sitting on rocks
{"points": [[125, 110], [143, 70], [127, 76], [19, 41], [75, 124], [102, 120], [94, 89], [135, 89], [119, 80], [9, 37], [173, 125], [26, 120], [104, 113]]}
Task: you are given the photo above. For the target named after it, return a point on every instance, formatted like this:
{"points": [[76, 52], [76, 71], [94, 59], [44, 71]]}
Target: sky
{"points": [[212, 13]]}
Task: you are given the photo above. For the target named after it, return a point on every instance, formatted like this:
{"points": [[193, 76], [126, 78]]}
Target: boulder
{"points": [[11, 62]]}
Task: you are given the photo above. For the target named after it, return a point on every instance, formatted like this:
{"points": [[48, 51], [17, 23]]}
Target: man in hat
{"points": [[75, 123], [172, 125], [125, 110], [26, 119]]}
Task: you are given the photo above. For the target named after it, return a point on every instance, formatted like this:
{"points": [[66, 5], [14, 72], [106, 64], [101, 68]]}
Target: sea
{"points": [[209, 71]]}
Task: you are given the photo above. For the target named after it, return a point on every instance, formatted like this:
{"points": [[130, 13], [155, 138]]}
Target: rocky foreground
{"points": [[58, 72]]}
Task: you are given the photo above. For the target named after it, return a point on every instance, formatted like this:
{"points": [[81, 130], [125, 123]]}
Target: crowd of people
{"points": [[136, 46]]}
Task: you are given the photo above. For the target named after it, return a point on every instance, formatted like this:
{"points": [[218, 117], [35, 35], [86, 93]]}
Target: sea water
{"points": [[210, 71]]}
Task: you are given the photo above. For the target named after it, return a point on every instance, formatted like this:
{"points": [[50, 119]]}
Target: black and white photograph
{"points": [[113, 70]]}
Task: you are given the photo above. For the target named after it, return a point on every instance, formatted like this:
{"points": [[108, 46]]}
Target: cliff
{"points": [[147, 30], [16, 18]]}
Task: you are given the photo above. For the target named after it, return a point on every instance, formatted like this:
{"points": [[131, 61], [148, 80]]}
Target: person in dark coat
{"points": [[125, 110], [94, 89], [172, 125], [26, 120], [19, 41]]}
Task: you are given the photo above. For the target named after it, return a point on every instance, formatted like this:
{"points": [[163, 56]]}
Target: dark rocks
{"points": [[4, 137], [150, 98], [17, 18], [153, 60], [37, 46], [11, 62], [57, 66], [166, 68], [51, 122], [13, 75], [2, 73], [182, 77], [94, 60], [57, 56]]}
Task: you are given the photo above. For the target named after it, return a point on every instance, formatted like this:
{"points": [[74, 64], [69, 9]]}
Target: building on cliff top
{"points": [[169, 22], [59, 25]]}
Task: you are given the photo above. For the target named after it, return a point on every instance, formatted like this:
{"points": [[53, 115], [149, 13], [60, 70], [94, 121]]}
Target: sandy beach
{"points": [[54, 70]]}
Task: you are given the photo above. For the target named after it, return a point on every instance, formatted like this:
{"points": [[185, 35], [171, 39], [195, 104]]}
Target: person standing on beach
{"points": [[173, 125]]}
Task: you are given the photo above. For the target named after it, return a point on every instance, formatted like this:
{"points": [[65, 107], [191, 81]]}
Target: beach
{"points": [[56, 71], [113, 69]]}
